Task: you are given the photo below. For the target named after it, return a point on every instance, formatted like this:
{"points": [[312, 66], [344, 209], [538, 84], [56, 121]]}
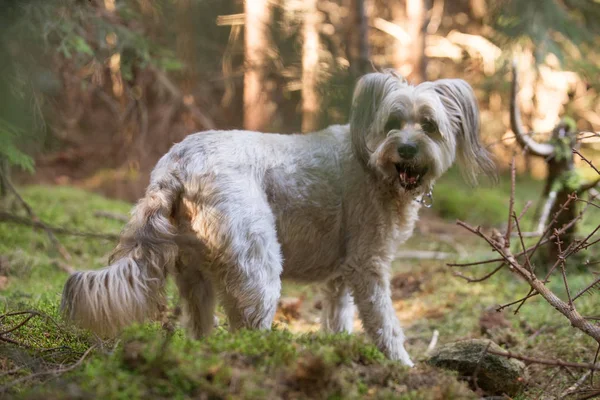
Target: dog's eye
{"points": [[429, 126], [394, 123]]}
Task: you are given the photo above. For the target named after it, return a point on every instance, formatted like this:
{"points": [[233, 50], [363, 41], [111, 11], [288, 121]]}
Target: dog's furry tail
{"points": [[131, 288]]}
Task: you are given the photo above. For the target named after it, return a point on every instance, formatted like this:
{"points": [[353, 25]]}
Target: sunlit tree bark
{"points": [[310, 63], [415, 18], [358, 38], [409, 58], [258, 110], [478, 8]]}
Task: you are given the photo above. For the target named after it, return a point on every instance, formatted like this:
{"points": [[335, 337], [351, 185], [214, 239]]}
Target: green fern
{"points": [[9, 136]]}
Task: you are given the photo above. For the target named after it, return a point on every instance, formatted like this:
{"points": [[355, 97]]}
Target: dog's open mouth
{"points": [[410, 177]]}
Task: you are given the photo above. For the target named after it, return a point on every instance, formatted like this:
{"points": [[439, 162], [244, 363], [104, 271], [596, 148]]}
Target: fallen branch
{"points": [[112, 215], [31, 314], [54, 372], [11, 218], [63, 252], [546, 361]]}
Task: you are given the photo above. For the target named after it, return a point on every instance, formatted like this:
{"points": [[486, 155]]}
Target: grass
{"points": [[150, 361]]}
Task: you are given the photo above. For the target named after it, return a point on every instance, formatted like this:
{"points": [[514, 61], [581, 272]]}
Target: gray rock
{"points": [[495, 374]]}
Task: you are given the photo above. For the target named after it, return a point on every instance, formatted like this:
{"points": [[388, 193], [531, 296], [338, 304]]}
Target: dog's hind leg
{"points": [[198, 296], [239, 229], [251, 287], [338, 307]]}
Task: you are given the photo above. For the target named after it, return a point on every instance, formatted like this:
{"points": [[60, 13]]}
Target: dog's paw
{"points": [[405, 358]]}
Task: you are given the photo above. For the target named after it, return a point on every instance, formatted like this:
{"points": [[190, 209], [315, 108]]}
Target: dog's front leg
{"points": [[370, 285], [338, 307]]}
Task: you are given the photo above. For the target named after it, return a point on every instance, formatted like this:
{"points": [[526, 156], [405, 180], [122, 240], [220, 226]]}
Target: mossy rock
{"points": [[495, 374]]}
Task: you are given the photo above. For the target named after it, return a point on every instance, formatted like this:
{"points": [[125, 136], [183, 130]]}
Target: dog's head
{"points": [[410, 135]]}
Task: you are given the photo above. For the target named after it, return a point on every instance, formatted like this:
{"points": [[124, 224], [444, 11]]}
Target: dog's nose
{"points": [[407, 150]]}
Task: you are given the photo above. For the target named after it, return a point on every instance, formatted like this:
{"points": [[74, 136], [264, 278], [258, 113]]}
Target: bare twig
{"points": [[561, 259], [545, 361], [588, 186], [589, 203], [527, 261], [512, 303], [512, 202], [586, 289], [471, 264], [527, 205], [575, 151], [573, 388], [531, 293], [31, 314], [572, 315], [529, 250], [483, 278], [53, 372]]}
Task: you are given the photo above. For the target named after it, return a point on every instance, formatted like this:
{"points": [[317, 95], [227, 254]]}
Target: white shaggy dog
{"points": [[230, 214]]}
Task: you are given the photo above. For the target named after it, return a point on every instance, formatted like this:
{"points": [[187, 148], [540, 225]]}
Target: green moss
{"points": [[251, 364]]}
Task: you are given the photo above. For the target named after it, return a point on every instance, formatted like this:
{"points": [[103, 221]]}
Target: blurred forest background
{"points": [[93, 92]]}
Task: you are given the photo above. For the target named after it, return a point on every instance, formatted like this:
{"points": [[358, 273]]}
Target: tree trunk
{"points": [[310, 64], [560, 166], [416, 24], [478, 8], [400, 49], [409, 58], [258, 109], [4, 174], [358, 39]]}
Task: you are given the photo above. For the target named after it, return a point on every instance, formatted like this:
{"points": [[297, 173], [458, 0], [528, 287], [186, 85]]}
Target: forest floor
{"points": [[294, 360]]}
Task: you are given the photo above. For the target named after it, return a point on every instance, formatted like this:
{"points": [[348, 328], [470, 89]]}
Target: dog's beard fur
{"points": [[400, 138]]}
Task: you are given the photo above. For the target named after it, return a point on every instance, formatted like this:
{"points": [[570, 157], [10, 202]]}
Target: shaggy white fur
{"points": [[231, 213]]}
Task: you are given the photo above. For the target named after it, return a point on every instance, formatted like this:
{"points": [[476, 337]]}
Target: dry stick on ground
{"points": [[573, 388], [63, 252], [31, 314], [53, 372]]}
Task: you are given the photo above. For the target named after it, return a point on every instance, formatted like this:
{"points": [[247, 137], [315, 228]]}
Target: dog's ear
{"points": [[460, 103], [369, 92]]}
